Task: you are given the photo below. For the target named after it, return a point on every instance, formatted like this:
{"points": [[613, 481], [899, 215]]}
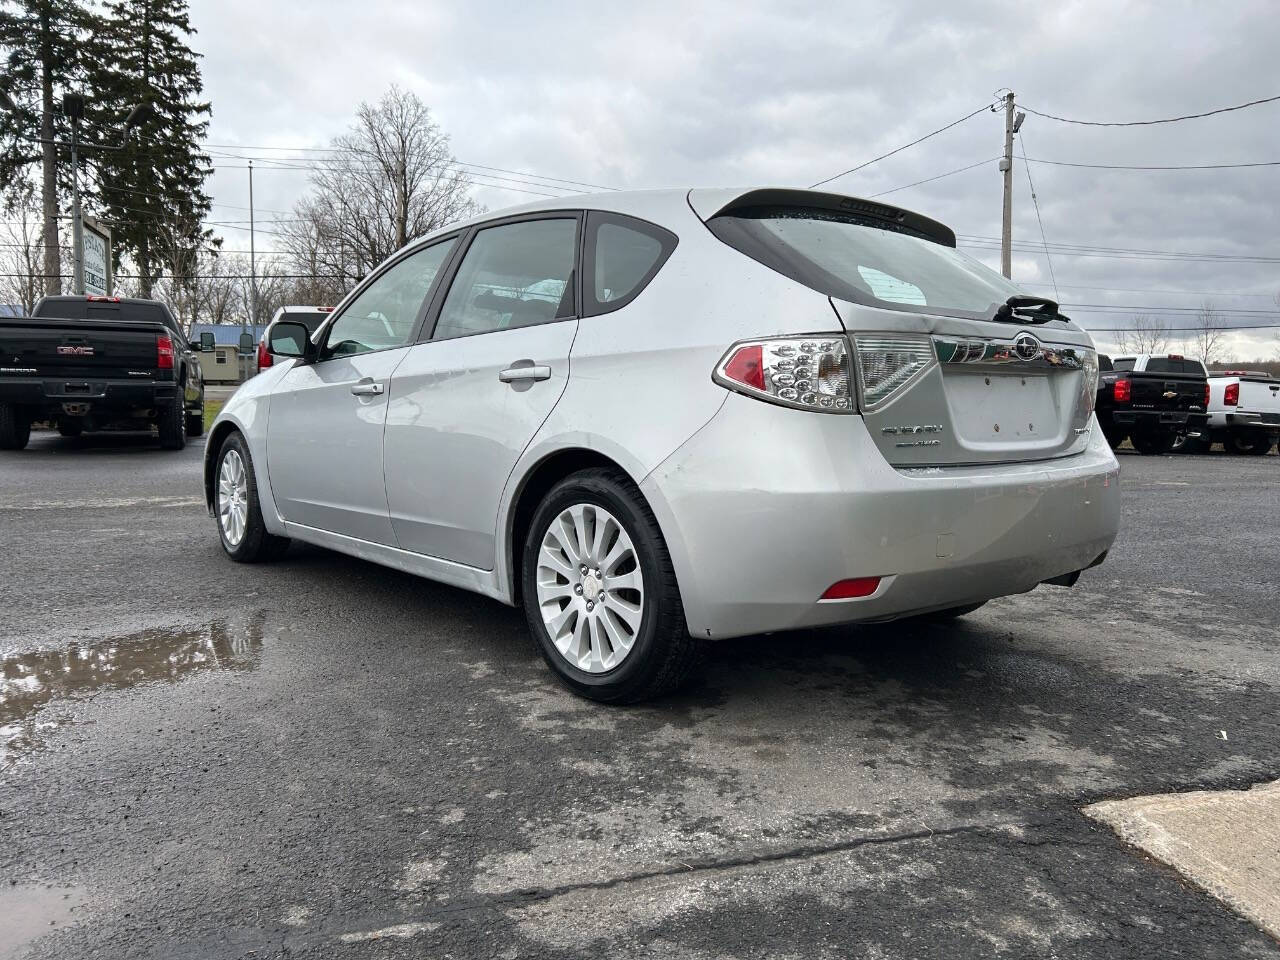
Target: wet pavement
{"points": [[323, 758]]}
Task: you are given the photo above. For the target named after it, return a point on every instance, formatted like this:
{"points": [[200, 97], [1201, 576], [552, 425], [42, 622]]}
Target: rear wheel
{"points": [[1153, 443], [237, 508], [1197, 445], [1114, 437], [170, 425], [15, 429], [600, 593], [1255, 443], [71, 429]]}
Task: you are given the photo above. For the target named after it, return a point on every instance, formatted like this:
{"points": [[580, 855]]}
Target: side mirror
{"points": [[206, 343], [288, 338], [246, 344]]}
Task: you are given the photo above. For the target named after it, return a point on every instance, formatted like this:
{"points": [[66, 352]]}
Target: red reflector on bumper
{"points": [[851, 589]]}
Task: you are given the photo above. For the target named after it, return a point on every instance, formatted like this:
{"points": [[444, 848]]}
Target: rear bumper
{"points": [[47, 398], [1157, 420], [765, 508], [1259, 421]]}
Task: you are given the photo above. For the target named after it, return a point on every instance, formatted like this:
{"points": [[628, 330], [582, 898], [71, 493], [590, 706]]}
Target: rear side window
{"points": [[622, 255], [311, 319], [864, 260], [1104, 363]]}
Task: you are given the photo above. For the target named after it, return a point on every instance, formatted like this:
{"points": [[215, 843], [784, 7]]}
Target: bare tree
{"points": [[1210, 332], [23, 264], [1147, 335], [391, 179]]}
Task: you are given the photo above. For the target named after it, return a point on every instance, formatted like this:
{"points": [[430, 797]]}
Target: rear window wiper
{"points": [[1021, 308]]}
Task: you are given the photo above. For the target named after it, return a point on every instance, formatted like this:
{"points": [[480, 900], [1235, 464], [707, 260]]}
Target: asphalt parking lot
{"points": [[325, 758]]}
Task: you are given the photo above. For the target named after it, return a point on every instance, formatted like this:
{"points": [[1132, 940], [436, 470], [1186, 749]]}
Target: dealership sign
{"points": [[97, 259]]}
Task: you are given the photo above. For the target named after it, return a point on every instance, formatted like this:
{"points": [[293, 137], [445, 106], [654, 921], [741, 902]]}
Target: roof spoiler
{"points": [[782, 197]]}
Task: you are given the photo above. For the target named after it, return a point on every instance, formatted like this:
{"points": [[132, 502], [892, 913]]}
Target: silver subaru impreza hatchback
{"points": [[654, 418]]}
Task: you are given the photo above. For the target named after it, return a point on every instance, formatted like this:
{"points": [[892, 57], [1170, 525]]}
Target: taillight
{"points": [[1231, 395], [1207, 390], [264, 356], [1120, 391], [164, 352], [888, 364], [810, 373]]}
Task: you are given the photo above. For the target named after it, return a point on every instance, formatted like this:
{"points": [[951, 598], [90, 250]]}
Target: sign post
{"points": [[97, 259]]}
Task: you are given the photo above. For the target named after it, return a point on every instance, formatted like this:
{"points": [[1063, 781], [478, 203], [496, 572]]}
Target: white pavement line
{"points": [[1225, 841], [103, 503], [401, 931]]}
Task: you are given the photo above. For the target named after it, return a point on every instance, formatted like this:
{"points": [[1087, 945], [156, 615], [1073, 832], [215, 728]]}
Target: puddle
{"points": [[28, 912], [29, 682]]}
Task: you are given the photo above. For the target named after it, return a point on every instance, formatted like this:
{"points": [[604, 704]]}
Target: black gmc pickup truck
{"points": [[1157, 402], [98, 363]]}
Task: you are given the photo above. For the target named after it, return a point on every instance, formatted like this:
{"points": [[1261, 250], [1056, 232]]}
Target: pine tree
{"points": [[152, 190], [42, 43]]}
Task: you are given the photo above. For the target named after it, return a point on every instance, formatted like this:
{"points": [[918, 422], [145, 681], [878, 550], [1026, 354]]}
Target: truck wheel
{"points": [[70, 429], [1152, 443], [170, 425], [15, 429], [1114, 437], [237, 508], [1257, 444], [1196, 445], [600, 593]]}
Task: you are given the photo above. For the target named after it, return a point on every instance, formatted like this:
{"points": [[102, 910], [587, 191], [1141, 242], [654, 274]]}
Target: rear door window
{"points": [[621, 257], [513, 275]]}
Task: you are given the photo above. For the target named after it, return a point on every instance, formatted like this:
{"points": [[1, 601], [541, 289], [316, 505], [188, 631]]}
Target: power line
{"points": [[1183, 293], [1147, 123], [950, 173], [1036, 203], [1231, 329], [1146, 308], [954, 123], [1154, 166]]}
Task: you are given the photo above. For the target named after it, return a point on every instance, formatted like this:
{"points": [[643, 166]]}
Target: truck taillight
{"points": [[1120, 390], [264, 356], [1207, 392], [1231, 395], [164, 352], [811, 373]]}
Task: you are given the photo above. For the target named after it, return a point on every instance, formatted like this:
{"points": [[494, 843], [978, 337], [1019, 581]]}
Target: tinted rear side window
{"points": [[622, 255], [311, 319]]}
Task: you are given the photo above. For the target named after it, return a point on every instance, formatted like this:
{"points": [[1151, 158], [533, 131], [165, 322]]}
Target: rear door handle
{"points": [[532, 371], [367, 388]]}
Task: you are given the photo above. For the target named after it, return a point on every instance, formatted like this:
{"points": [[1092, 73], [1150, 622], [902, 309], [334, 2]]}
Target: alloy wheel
{"points": [[233, 498]]}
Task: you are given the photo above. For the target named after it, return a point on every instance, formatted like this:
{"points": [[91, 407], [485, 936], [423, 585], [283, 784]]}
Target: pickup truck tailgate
{"points": [[71, 349], [1262, 397], [1166, 391]]}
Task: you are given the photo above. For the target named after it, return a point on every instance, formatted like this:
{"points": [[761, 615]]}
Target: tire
{"points": [[1194, 445], [661, 654], [1152, 444], [15, 429], [171, 426], [71, 430], [1114, 437], [1256, 444], [249, 542]]}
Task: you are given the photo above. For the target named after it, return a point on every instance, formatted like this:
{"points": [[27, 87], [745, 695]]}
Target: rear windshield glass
{"points": [[1124, 363], [311, 319], [1173, 365], [75, 309], [865, 260]]}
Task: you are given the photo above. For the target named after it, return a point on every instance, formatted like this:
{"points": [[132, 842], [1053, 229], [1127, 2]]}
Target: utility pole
{"points": [[73, 107], [1006, 167], [253, 262]]}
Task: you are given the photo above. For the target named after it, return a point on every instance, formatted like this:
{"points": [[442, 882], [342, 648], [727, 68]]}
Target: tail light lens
{"points": [[1120, 391], [164, 352], [1231, 395], [888, 364], [1089, 382], [809, 373], [264, 356], [852, 589], [1207, 393]]}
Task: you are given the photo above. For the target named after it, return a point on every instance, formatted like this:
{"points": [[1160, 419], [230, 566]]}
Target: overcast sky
{"points": [[710, 93]]}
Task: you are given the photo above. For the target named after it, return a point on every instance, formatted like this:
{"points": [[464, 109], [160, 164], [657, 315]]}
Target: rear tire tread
{"points": [[257, 545], [171, 425], [15, 430]]}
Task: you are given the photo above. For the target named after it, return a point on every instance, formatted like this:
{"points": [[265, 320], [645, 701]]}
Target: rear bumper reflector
{"points": [[852, 589]]}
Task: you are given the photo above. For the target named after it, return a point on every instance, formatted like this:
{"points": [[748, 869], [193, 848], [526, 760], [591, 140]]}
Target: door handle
{"points": [[367, 388], [514, 374]]}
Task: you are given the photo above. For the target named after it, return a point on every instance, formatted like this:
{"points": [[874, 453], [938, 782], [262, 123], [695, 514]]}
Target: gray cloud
{"points": [[662, 94]]}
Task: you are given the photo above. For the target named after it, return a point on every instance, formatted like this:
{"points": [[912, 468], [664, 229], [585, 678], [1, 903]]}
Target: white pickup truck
{"points": [[1244, 413]]}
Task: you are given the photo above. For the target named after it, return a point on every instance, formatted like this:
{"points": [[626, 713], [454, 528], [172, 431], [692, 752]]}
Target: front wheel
{"points": [[600, 593], [15, 429], [237, 508]]}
